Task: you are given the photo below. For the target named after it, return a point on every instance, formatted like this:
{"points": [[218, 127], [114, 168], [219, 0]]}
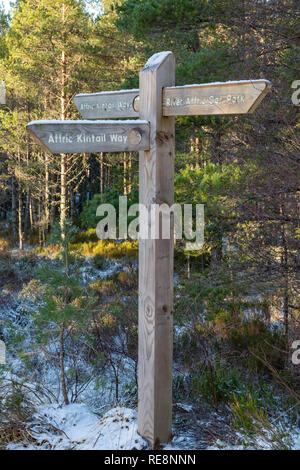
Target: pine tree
{"points": [[54, 50], [65, 316]]}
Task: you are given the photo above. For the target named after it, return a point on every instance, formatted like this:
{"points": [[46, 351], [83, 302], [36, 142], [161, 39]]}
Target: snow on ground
{"points": [[75, 427], [261, 444], [89, 273], [78, 426], [297, 442]]}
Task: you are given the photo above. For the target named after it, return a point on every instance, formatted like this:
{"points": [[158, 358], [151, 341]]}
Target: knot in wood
{"points": [[161, 137]]}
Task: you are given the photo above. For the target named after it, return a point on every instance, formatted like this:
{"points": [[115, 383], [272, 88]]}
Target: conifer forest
{"points": [[75, 348]]}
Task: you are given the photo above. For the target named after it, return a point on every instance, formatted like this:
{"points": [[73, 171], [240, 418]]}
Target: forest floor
{"points": [[75, 427], [93, 420]]}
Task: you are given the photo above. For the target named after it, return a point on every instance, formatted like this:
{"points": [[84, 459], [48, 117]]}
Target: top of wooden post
{"points": [[151, 93], [156, 60]]}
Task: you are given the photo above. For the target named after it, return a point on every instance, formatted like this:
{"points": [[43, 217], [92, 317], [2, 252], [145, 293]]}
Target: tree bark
{"points": [[124, 173], [47, 193], [63, 160], [20, 228], [13, 204], [101, 174], [62, 365]]}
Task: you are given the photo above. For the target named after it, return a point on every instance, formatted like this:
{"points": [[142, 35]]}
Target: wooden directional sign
{"points": [[214, 98], [90, 136], [107, 104], [211, 98]]}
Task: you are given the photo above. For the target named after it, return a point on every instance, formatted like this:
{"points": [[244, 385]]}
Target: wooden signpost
{"points": [[156, 102]]}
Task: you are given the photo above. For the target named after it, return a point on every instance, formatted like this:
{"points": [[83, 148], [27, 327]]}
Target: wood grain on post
{"points": [[156, 258]]}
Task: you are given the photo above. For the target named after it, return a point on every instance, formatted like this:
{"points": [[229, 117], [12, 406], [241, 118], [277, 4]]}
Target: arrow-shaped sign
{"points": [[90, 136], [206, 99], [107, 104], [214, 98]]}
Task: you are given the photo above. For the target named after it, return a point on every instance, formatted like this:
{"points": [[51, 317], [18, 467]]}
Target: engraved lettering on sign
{"points": [[60, 138], [212, 100], [103, 105], [91, 136], [109, 106]]}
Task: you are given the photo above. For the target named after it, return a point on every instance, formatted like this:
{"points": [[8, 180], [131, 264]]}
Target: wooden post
{"points": [[157, 102], [156, 258]]}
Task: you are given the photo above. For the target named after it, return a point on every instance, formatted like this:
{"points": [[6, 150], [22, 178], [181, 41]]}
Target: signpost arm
{"points": [[156, 258]]}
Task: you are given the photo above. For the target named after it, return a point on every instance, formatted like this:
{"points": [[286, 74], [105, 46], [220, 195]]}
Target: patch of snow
{"points": [[297, 441], [181, 330], [180, 443], [260, 444], [229, 82], [90, 274], [156, 59], [104, 93], [106, 122], [76, 427], [185, 407]]}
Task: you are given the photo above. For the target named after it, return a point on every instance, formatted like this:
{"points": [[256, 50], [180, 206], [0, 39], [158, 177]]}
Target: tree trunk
{"points": [[27, 213], [52, 203], [26, 217], [63, 160], [47, 193], [40, 223], [216, 251], [63, 189], [101, 174], [67, 258], [72, 205], [129, 188], [286, 284], [62, 365], [124, 173], [20, 203], [20, 230], [31, 212], [188, 266], [13, 205]]}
